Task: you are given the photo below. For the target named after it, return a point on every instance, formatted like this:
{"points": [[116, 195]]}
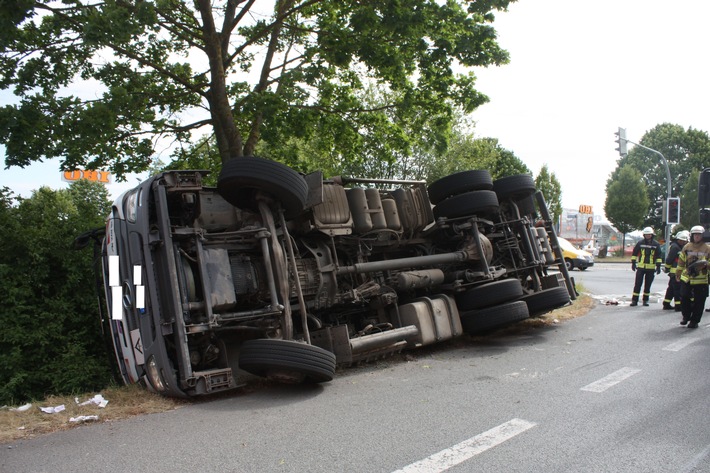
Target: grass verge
{"points": [[123, 402]]}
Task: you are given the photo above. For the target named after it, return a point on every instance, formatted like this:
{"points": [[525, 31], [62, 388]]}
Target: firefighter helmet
{"points": [[683, 235], [648, 231], [697, 229]]}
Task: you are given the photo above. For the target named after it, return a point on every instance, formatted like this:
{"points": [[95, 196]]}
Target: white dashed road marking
{"points": [[614, 378], [461, 452], [680, 344]]}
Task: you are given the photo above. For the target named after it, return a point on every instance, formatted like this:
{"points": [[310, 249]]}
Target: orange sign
{"points": [[103, 177], [585, 209]]}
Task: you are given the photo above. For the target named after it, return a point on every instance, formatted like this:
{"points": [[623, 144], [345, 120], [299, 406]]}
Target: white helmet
{"points": [[648, 231], [683, 235], [697, 229]]}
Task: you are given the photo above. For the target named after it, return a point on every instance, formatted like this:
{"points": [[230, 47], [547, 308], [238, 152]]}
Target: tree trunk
{"points": [[229, 140]]}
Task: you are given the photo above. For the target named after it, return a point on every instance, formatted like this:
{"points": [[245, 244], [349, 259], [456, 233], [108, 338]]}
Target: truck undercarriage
{"points": [[277, 274]]}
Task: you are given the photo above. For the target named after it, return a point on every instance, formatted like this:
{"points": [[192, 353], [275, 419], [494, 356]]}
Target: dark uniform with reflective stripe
{"points": [[673, 290], [646, 261]]}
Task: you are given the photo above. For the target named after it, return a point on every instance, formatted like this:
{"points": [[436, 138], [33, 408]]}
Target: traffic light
{"points": [[621, 140], [673, 210]]}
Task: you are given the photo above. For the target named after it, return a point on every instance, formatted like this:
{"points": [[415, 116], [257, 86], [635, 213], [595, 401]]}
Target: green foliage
{"points": [[51, 338], [626, 202], [101, 85], [552, 191], [203, 155], [685, 151], [466, 152]]}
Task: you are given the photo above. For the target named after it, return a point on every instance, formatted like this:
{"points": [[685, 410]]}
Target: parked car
{"points": [[575, 257], [281, 275]]}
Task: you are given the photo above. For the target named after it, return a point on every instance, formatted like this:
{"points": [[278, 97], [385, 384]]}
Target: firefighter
{"points": [[692, 273], [646, 257], [673, 291]]}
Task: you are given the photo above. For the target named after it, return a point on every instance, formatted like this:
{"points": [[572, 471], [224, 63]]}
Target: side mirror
{"points": [[83, 240]]}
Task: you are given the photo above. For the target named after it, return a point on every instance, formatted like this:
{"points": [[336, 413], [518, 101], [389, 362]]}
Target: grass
{"points": [[129, 401]]}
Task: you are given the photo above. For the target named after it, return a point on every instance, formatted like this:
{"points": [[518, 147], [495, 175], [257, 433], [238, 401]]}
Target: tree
{"points": [[51, 338], [467, 152], [684, 150], [626, 200], [552, 191], [424, 163], [165, 70]]}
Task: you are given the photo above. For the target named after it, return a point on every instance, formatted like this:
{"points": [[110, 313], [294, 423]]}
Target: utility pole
{"points": [[622, 149]]}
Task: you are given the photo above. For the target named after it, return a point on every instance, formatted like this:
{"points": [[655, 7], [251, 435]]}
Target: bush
{"points": [[51, 339]]}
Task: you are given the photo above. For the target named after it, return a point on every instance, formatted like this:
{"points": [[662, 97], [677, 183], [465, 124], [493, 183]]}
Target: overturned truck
{"points": [[277, 274]]}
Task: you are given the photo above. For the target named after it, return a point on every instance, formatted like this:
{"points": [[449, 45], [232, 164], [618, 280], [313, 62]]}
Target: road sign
{"points": [[103, 177]]}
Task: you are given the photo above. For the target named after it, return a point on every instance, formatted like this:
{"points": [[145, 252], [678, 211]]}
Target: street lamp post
{"points": [[622, 138]]}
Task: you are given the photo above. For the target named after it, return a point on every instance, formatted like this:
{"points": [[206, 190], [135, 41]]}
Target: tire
{"points": [[546, 300], [272, 357], [458, 183], [469, 203], [490, 294], [476, 321], [569, 264], [518, 186], [241, 178]]}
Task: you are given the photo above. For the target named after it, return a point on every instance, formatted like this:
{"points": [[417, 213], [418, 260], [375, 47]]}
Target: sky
{"points": [[578, 70]]}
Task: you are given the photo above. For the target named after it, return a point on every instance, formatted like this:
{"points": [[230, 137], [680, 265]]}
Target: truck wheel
{"points": [[241, 178], [546, 300], [517, 186], [287, 360], [490, 294], [468, 203], [476, 321], [458, 183]]}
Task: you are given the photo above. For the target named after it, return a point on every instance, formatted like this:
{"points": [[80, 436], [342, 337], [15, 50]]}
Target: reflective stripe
{"points": [[647, 254]]}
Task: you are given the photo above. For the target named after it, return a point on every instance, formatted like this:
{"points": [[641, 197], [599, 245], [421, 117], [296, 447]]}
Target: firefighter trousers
{"points": [[643, 277], [673, 291], [692, 298]]}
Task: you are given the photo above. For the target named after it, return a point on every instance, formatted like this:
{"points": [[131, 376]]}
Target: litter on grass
{"points": [[98, 399], [21, 408], [83, 418], [53, 410]]}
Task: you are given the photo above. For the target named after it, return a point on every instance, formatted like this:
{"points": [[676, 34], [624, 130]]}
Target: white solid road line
{"points": [[614, 378], [461, 452]]}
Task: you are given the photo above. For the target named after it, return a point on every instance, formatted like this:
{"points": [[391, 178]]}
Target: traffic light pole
{"points": [[668, 177]]}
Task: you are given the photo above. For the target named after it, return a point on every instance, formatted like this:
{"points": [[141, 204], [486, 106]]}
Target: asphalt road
{"points": [[621, 389], [614, 283]]}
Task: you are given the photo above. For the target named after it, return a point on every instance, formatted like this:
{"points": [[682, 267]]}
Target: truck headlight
{"points": [[154, 374]]}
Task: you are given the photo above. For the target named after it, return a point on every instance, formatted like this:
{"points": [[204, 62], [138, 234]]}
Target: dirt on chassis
{"points": [[284, 275]]}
